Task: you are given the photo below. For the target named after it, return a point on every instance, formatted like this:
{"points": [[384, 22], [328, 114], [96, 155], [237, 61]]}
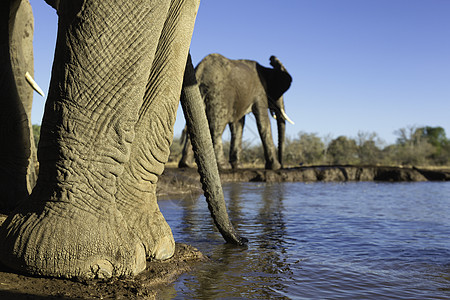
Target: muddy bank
{"points": [[144, 286], [337, 173], [175, 180]]}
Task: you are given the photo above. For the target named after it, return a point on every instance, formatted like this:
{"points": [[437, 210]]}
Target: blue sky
{"points": [[357, 65]]}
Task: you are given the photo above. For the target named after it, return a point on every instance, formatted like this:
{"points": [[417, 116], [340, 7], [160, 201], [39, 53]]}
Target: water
{"points": [[320, 241]]}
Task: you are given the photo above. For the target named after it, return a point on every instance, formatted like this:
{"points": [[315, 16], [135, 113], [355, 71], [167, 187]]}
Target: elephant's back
{"points": [[227, 86], [214, 64], [212, 67]]}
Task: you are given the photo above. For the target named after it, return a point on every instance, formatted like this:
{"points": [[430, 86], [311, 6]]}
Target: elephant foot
{"points": [[185, 164], [154, 233], [66, 241], [164, 247], [141, 212], [235, 165], [273, 165], [223, 166]]}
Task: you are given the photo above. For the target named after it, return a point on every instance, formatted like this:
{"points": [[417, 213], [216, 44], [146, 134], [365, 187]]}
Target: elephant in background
{"points": [[230, 90], [108, 124]]}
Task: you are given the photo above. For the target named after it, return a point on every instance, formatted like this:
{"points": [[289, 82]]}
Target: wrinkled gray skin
{"points": [[105, 137], [17, 151], [196, 121], [233, 88]]}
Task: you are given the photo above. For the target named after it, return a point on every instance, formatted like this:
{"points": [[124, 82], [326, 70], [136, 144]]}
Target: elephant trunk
{"points": [[194, 112]]}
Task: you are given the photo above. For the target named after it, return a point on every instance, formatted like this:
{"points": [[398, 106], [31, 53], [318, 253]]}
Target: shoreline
{"points": [[187, 180], [340, 173]]}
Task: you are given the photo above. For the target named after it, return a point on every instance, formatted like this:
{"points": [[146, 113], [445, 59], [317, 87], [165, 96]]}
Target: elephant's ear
{"points": [[276, 81], [53, 3]]}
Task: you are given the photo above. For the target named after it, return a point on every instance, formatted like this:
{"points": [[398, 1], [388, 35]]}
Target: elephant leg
{"points": [[281, 125], [71, 226], [218, 151], [18, 159], [265, 132], [217, 130], [136, 188], [236, 142], [187, 157]]}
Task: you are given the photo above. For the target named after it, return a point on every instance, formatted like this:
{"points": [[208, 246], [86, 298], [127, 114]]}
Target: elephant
{"points": [[233, 88], [108, 123], [18, 172]]}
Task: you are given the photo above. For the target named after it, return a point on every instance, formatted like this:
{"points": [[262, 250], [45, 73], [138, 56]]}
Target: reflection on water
{"points": [[321, 240]]}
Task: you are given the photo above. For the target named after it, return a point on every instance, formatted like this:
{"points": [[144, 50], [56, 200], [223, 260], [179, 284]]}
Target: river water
{"points": [[360, 240]]}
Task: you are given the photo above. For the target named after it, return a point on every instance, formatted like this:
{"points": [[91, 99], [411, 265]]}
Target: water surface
{"points": [[319, 241]]}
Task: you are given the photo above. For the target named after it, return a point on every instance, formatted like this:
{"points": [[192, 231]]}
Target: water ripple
{"points": [[320, 241]]}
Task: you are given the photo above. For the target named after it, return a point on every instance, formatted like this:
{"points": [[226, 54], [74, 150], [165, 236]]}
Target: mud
{"points": [[144, 286]]}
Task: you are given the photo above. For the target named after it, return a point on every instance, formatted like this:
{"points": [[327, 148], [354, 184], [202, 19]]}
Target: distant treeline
{"points": [[417, 146]]}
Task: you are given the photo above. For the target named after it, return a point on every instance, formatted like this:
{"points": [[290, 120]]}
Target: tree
{"points": [[342, 151], [434, 135], [413, 147], [368, 150], [251, 154], [307, 149], [437, 138]]}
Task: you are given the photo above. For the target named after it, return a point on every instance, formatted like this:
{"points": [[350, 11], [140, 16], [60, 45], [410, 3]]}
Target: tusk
{"points": [[286, 117], [33, 84]]}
